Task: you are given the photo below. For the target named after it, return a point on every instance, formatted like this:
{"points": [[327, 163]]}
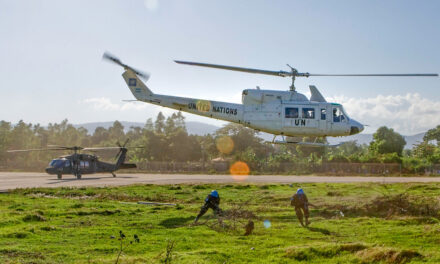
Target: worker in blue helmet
{"points": [[301, 203], [211, 201]]}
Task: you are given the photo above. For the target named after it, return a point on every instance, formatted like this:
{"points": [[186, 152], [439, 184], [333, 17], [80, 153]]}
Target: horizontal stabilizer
{"points": [[127, 166]]}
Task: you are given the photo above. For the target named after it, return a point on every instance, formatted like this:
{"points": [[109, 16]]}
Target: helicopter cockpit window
{"points": [[291, 112], [56, 163], [308, 113], [338, 115]]}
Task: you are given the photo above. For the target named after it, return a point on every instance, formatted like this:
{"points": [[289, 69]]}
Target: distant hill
{"points": [[193, 127], [199, 128]]}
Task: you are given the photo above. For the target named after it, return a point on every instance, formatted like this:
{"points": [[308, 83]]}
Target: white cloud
{"points": [[151, 5], [105, 104], [102, 103], [407, 114]]}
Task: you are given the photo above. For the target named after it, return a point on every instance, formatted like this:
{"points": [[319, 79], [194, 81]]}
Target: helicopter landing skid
{"points": [[308, 144]]}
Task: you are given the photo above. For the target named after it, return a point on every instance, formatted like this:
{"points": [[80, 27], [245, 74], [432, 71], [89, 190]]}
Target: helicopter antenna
{"points": [[295, 73]]}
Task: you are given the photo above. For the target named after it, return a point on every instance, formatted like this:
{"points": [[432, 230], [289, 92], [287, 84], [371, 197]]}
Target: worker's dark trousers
{"points": [[299, 213], [206, 206]]}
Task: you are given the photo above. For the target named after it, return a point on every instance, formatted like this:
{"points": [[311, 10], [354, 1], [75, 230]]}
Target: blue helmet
{"points": [[214, 193], [300, 191]]}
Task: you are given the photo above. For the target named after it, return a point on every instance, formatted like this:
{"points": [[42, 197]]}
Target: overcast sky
{"points": [[51, 67]]}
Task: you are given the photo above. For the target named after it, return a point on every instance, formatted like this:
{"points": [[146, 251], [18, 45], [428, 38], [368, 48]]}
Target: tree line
{"points": [[166, 139]]}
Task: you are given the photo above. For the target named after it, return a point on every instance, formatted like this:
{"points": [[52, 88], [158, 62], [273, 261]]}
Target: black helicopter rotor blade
{"points": [[100, 148], [110, 57], [27, 150], [125, 143]]}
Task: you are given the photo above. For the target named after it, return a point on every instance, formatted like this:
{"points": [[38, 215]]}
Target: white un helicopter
{"points": [[286, 113]]}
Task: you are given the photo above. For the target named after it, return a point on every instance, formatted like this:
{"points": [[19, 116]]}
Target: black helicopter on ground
{"points": [[79, 163]]}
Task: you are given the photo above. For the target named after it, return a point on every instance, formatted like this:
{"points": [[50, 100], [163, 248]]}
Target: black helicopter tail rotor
{"points": [[121, 147]]}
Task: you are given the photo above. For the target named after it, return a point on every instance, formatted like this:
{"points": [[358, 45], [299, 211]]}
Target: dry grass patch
{"points": [[377, 254]]}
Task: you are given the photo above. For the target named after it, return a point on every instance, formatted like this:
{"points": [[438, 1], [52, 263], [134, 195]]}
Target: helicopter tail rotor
{"points": [[133, 78], [107, 56]]}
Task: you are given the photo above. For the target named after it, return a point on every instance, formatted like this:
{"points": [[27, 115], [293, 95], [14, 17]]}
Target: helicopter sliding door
{"points": [[301, 120], [324, 118]]}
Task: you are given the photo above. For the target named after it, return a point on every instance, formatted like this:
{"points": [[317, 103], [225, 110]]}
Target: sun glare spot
{"points": [[224, 144], [239, 171], [267, 224]]}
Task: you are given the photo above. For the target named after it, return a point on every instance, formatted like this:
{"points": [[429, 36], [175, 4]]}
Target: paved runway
{"points": [[12, 180]]}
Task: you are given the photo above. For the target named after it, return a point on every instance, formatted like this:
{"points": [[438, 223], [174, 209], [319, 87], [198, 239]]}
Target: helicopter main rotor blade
{"points": [[116, 60], [101, 148], [295, 73], [380, 75], [27, 150], [233, 68], [104, 148]]}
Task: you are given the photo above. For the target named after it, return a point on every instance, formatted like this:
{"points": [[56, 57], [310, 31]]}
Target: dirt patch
{"points": [[375, 255], [385, 206], [34, 218], [363, 253], [104, 212], [309, 253], [13, 253], [334, 193], [237, 213]]}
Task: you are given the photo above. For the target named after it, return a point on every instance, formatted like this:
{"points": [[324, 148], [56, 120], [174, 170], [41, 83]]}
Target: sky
{"points": [[51, 65]]}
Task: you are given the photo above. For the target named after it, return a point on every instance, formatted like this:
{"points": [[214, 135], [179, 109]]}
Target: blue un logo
{"points": [[132, 82]]}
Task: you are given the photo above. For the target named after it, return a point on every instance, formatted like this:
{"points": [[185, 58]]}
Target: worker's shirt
{"points": [[212, 200], [299, 200]]}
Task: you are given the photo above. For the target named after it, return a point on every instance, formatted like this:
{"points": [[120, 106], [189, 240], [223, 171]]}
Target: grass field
{"points": [[351, 223]]}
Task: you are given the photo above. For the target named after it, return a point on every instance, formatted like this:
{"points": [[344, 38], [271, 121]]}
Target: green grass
{"points": [[394, 223]]}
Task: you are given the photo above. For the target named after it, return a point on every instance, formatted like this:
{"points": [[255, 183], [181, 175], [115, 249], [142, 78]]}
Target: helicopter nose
{"points": [[356, 127]]}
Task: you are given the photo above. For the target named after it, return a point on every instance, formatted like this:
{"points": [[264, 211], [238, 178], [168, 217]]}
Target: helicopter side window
{"points": [[291, 112], [308, 113], [323, 113], [338, 116], [67, 163], [84, 164]]}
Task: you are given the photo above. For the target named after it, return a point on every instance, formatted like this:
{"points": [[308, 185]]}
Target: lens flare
{"points": [[224, 144], [267, 224], [239, 171]]}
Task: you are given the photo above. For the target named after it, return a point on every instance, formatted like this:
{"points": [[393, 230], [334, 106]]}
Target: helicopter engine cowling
{"points": [[257, 96]]}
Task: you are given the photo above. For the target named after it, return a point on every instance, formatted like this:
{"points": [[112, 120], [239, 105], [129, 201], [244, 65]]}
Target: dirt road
{"points": [[12, 180]]}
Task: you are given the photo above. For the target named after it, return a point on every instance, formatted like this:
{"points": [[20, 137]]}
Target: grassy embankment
{"points": [[351, 223]]}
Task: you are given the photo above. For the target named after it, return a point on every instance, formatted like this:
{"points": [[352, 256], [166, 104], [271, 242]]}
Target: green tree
{"points": [[117, 132], [385, 140], [433, 134], [5, 140], [159, 124]]}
